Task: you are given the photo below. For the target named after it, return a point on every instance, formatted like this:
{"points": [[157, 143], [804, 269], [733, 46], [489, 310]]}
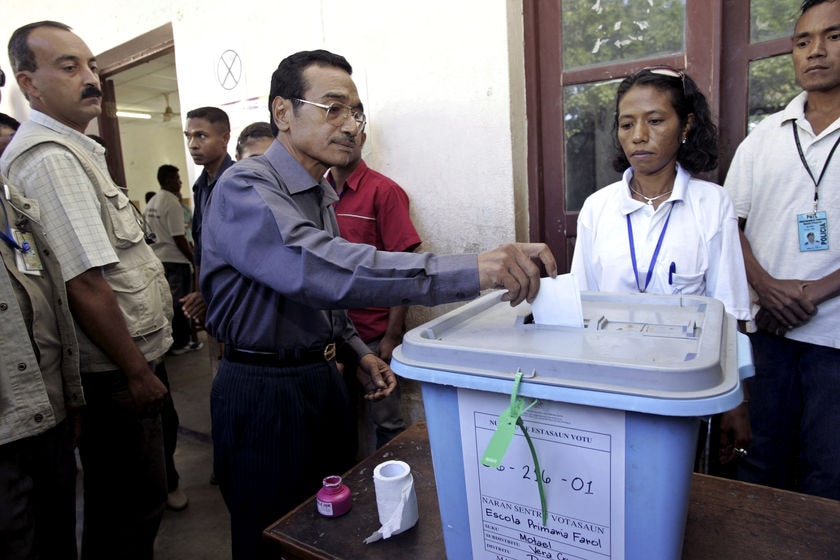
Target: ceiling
{"points": [[145, 88]]}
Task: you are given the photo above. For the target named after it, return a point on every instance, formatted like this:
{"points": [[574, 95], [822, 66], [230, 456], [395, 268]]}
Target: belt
{"points": [[281, 358]]}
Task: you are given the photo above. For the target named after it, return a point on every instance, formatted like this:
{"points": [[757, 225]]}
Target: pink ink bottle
{"points": [[334, 498]]}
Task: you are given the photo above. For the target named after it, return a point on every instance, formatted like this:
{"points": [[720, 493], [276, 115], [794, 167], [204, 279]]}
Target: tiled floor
{"points": [[202, 531]]}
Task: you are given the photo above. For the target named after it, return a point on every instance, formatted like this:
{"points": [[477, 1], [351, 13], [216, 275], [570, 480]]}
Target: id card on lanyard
{"points": [[813, 231], [813, 226], [22, 242]]}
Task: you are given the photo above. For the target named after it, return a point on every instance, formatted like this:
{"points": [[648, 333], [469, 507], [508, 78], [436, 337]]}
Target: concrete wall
{"points": [[442, 83]]}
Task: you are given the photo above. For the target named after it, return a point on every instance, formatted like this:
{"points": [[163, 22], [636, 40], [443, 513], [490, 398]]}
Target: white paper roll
{"points": [[396, 501]]}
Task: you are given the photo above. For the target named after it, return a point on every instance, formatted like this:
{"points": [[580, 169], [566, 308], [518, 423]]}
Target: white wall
{"points": [[144, 150], [441, 81]]}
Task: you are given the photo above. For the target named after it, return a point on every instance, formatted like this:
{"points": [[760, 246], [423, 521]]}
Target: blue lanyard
{"points": [[9, 238], [655, 251]]}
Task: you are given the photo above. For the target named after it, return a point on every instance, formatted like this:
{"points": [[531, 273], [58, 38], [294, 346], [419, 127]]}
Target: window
{"points": [[771, 82], [771, 86], [589, 146], [603, 31], [772, 19], [578, 50]]}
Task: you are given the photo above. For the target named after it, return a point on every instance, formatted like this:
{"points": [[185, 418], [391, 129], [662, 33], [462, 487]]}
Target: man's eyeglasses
{"points": [[337, 113], [667, 71], [2, 78]]}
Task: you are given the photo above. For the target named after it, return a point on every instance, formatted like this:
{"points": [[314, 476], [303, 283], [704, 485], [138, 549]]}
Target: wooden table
{"points": [[304, 534], [731, 519], [726, 519]]}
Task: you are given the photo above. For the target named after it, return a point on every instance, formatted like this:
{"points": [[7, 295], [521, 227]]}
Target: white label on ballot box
{"points": [[581, 455]]}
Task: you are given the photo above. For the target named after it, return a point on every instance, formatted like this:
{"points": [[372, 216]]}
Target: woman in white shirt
{"points": [[659, 229]]}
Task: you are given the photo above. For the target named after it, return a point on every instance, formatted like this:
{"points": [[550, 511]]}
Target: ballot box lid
{"points": [[641, 352]]}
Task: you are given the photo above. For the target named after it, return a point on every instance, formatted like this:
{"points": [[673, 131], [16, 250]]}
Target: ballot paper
{"points": [[558, 302]]}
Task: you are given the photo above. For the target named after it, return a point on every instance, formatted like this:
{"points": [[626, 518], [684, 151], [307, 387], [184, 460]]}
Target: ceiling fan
{"points": [[168, 113]]}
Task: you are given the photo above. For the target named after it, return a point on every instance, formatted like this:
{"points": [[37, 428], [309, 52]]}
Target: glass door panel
{"points": [[589, 142], [605, 31]]}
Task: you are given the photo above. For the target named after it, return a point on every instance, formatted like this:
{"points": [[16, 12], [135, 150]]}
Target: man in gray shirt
{"points": [[276, 278]]}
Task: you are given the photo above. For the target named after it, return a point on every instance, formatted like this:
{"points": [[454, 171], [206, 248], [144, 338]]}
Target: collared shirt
{"points": [[373, 209], [39, 358], [165, 218], [81, 243], [701, 242], [770, 188], [275, 273], [202, 189]]}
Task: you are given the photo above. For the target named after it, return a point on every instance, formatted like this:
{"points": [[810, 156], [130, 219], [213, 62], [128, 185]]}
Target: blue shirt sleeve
{"points": [[270, 246]]}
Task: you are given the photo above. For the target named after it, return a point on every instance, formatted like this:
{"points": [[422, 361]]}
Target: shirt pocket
{"points": [[139, 297], [358, 229], [688, 284], [124, 218]]}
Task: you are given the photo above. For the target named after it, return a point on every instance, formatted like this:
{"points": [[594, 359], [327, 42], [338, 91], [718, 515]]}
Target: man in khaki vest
{"points": [[116, 288]]}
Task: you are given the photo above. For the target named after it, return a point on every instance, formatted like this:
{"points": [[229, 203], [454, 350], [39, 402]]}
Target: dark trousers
{"points": [[169, 423], [38, 497], [794, 416], [277, 432], [124, 474], [180, 279]]}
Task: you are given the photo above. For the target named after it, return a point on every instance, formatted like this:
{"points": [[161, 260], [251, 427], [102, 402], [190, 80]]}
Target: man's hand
{"points": [[147, 391], [784, 305], [375, 377], [510, 267], [194, 307]]}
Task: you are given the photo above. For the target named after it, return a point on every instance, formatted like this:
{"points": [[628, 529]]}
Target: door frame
{"points": [[141, 49]]}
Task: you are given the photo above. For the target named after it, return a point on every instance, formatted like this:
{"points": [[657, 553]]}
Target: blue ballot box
{"points": [[615, 426]]}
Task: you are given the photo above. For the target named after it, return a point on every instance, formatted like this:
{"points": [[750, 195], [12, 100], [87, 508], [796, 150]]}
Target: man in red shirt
{"points": [[373, 209]]}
